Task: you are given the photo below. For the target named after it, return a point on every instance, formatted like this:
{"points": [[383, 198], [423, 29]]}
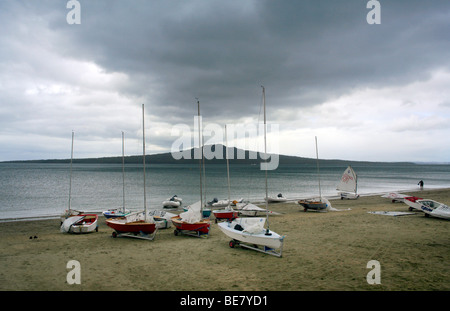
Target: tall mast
{"points": [[200, 146], [70, 183], [228, 166], [203, 157], [143, 152], [123, 172], [265, 143], [265, 152], [318, 170]]}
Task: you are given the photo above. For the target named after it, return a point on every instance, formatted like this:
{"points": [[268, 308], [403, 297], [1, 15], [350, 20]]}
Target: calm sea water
{"points": [[33, 190]]}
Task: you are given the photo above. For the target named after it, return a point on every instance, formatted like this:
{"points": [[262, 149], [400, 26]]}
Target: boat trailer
{"points": [[259, 248], [194, 233], [140, 235]]}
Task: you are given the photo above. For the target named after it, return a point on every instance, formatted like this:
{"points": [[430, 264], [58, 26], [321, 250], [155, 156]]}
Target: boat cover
{"points": [[252, 225], [193, 213], [65, 227]]}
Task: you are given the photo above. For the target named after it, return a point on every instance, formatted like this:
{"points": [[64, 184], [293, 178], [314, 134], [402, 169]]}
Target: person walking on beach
{"points": [[421, 184]]}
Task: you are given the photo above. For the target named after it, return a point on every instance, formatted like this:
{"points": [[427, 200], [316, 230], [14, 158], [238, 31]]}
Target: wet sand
{"points": [[322, 252]]}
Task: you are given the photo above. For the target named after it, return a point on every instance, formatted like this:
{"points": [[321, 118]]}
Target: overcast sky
{"points": [[377, 92]]}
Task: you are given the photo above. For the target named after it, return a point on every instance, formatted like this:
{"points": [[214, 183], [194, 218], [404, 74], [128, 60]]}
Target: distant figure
{"points": [[420, 184]]}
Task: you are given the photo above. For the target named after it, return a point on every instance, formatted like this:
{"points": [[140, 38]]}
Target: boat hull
{"points": [[140, 226], [225, 214], [85, 223], [274, 240], [168, 204], [276, 200], [412, 203], [200, 226], [435, 209], [313, 205], [349, 196], [220, 204], [114, 214]]}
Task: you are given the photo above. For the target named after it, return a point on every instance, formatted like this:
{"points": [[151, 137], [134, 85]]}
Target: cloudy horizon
{"points": [[369, 92]]}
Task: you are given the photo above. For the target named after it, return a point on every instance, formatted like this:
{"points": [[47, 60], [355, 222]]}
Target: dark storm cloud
{"points": [[221, 51]]}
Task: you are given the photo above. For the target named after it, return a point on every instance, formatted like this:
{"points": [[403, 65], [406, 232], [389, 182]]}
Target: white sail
{"points": [[349, 182]]}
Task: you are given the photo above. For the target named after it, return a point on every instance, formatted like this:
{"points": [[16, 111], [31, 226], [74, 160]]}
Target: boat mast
{"points": [[123, 173], [356, 179], [203, 166], [228, 168], [318, 170], [265, 142], [143, 159], [265, 152], [200, 162], [70, 183]]}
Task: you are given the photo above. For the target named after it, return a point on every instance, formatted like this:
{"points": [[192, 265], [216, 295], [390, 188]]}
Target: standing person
{"points": [[421, 184]]}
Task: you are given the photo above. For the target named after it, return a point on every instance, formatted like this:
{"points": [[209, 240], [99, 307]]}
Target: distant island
{"points": [[250, 158]]}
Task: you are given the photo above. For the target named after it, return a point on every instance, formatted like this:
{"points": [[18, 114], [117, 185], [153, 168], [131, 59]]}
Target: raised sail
{"points": [[348, 185]]}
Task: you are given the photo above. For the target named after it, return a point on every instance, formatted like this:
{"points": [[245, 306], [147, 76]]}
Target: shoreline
{"points": [[290, 200], [322, 252]]}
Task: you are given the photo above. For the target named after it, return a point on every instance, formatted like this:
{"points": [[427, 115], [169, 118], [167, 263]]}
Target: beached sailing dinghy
{"points": [[227, 213], [317, 204], [84, 223], [73, 221], [117, 212], [348, 185], [70, 212], [254, 233], [192, 221], [435, 209], [251, 233], [139, 224]]}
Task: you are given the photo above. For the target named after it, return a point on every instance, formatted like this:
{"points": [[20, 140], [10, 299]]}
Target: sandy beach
{"points": [[322, 252]]}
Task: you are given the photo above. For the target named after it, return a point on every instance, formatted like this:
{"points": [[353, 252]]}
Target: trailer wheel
{"points": [[114, 234], [175, 232], [232, 243]]}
